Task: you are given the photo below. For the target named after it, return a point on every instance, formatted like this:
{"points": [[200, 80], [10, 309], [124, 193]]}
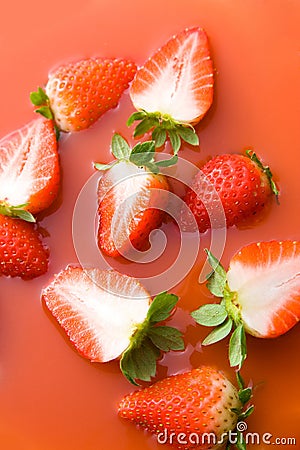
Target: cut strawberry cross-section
{"points": [[174, 89], [132, 197], [260, 295], [108, 315], [29, 169]]}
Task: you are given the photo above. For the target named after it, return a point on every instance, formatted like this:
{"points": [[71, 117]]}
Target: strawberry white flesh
{"points": [[28, 162], [266, 278], [178, 79], [99, 310], [123, 194]]}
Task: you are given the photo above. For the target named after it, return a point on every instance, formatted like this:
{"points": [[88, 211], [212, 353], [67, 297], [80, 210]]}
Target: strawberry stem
{"points": [[163, 126], [142, 155]]}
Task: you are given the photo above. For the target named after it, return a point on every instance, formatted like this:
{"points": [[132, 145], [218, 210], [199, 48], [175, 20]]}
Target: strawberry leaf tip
{"points": [[266, 169], [217, 278], [138, 362], [142, 155], [163, 126], [16, 211], [40, 98]]}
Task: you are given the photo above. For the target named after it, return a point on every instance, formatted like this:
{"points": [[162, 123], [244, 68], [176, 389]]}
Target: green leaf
{"points": [[127, 367], [241, 443], [16, 211], [161, 307], [210, 315], [152, 166], [24, 215], [138, 115], [159, 135], [39, 97], [139, 362], [245, 395], [143, 153], [120, 148], [218, 333], [144, 147], [100, 166], [217, 279], [240, 380], [174, 140], [167, 162], [266, 169], [45, 111], [247, 413], [237, 347], [188, 134], [145, 125], [166, 338]]}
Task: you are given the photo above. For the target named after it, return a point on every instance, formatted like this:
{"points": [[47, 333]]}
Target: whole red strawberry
{"points": [[22, 253], [29, 168], [238, 184], [131, 197], [190, 410], [78, 93]]}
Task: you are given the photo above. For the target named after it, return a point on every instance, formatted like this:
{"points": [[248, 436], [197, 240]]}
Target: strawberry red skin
{"points": [[242, 187], [138, 227], [22, 253], [82, 91], [198, 401], [30, 171]]}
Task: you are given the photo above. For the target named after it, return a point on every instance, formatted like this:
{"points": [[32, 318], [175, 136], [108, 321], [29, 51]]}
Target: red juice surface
{"points": [[51, 398]]}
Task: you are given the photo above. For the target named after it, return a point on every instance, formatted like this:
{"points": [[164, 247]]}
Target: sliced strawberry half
{"points": [[260, 295], [266, 279], [174, 87], [99, 310], [131, 197], [108, 315], [29, 169]]}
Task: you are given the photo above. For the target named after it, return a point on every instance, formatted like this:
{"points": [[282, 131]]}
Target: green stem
{"points": [[230, 305]]}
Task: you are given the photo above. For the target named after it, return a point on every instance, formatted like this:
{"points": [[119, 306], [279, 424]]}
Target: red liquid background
{"points": [[51, 398]]}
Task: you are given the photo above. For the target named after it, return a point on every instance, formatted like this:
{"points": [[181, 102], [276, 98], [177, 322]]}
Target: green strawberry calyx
{"points": [[265, 169], [224, 316], [163, 126], [150, 339], [245, 394], [142, 155], [18, 212], [40, 98]]}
